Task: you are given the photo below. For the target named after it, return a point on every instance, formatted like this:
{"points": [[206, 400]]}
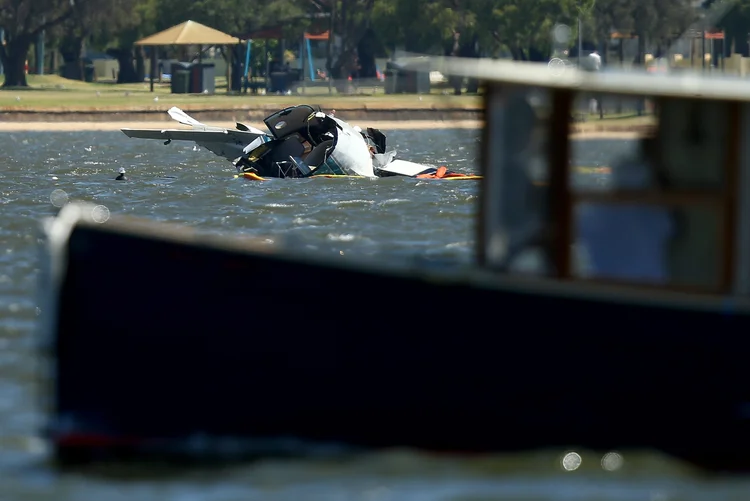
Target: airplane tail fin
{"points": [[185, 119], [182, 117]]}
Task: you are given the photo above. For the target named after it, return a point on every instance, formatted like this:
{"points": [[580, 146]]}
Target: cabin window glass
{"points": [[516, 170], [648, 197], [605, 133], [695, 135]]}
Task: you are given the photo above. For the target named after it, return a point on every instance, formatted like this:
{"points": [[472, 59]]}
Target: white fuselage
{"points": [[351, 152]]}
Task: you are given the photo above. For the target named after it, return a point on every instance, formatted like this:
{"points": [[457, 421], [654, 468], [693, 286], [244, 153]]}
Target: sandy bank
{"points": [[171, 124], [386, 116], [607, 134], [386, 125], [254, 115]]}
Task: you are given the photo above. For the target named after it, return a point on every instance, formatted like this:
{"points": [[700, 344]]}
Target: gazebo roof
{"points": [[189, 33]]}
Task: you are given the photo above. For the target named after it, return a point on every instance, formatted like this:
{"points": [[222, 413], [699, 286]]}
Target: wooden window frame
{"points": [[563, 199]]}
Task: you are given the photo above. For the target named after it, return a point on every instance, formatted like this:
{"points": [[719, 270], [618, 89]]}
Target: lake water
{"points": [[389, 217]]}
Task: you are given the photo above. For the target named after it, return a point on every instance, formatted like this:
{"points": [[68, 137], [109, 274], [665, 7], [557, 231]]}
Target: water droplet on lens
{"points": [[612, 461], [571, 461], [58, 197], [100, 214]]}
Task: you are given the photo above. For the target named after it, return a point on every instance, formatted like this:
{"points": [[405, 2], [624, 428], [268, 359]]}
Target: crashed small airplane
{"points": [[303, 142]]}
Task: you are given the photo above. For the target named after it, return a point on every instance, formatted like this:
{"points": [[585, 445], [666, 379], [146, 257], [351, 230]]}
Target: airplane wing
{"points": [[224, 142], [227, 143], [185, 119], [402, 167]]}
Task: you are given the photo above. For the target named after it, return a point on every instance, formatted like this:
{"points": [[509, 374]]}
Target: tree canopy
{"points": [[367, 28]]}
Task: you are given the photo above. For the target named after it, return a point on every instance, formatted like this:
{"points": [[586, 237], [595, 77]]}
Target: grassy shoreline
{"points": [[48, 93], [52, 102]]}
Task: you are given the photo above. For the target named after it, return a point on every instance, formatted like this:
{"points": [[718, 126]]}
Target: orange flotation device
{"points": [[252, 175], [442, 173], [432, 175]]}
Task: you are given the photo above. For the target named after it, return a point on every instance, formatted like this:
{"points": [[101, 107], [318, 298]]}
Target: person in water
{"points": [[121, 175]]}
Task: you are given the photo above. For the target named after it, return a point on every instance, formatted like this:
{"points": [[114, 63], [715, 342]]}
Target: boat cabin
{"points": [[651, 191]]}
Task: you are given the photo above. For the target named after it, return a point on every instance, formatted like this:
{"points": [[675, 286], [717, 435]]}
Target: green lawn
{"points": [[54, 93], [51, 92]]}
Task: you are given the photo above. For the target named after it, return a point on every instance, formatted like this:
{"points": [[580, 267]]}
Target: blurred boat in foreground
{"points": [[220, 347]]}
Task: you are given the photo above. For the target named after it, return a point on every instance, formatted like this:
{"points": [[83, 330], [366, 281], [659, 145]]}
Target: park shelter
{"points": [[187, 33]]}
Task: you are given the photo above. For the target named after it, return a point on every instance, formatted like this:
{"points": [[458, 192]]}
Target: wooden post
{"points": [[303, 59], [159, 67], [560, 209], [153, 67], [229, 68], [329, 63], [730, 198], [265, 60]]}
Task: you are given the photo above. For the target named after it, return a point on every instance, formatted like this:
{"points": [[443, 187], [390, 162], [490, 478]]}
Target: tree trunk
{"points": [[351, 30], [471, 50], [641, 48], [140, 65], [517, 52], [366, 51], [81, 66], [456, 81], [14, 62], [124, 56], [343, 68], [71, 48]]}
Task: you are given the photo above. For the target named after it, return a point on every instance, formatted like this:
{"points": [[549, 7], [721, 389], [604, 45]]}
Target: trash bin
{"points": [[391, 81], [89, 72], [279, 82], [294, 75], [423, 81], [417, 78], [180, 79], [411, 78], [237, 76], [203, 78], [394, 78], [180, 83]]}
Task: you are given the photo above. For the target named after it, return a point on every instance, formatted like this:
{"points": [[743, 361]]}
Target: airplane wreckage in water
{"points": [[303, 142]]}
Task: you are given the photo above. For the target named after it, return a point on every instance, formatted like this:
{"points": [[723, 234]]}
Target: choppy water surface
{"points": [[389, 217]]}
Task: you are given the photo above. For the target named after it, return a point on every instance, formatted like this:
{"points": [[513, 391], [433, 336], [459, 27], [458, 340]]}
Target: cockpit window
{"points": [[301, 120]]}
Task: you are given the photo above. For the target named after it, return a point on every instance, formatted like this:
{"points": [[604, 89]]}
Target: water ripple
{"points": [[395, 217]]}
